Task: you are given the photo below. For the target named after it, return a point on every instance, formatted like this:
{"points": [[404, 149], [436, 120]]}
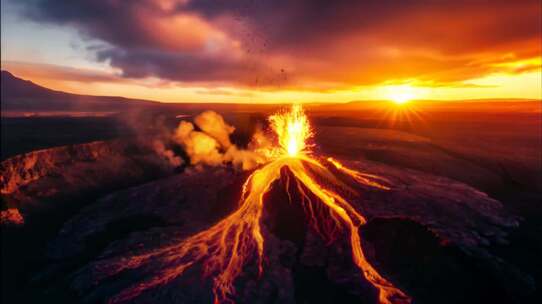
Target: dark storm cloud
{"points": [[287, 22], [337, 42], [111, 21], [137, 63], [140, 41]]}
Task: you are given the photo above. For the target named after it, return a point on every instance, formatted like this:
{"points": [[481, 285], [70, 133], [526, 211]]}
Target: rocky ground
{"points": [[429, 235], [40, 190]]}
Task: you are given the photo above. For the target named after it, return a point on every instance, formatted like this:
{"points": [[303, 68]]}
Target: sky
{"points": [[268, 51]]}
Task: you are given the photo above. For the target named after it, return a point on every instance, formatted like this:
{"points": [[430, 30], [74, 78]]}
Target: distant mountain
{"points": [[22, 95]]}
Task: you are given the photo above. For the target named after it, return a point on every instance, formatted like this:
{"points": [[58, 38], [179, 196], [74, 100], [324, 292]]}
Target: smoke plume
{"points": [[212, 145], [160, 148], [214, 125], [200, 147]]}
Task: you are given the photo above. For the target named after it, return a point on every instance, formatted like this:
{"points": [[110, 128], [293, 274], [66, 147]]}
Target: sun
{"points": [[401, 94], [403, 106], [401, 98]]}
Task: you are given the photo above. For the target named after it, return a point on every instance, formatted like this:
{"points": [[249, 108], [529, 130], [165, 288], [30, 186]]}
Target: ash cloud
{"points": [[203, 141], [213, 124], [199, 146], [212, 145]]}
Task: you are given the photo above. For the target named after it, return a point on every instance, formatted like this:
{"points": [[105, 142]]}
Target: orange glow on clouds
{"points": [[108, 83], [186, 51], [402, 94]]}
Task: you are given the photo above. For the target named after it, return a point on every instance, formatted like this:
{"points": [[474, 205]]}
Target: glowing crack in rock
{"points": [[225, 248]]}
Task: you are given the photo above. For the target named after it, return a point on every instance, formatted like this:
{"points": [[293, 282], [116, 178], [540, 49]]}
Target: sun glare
{"points": [[401, 94], [401, 98]]}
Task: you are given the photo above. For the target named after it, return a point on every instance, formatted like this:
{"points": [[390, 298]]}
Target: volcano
{"points": [[302, 227], [432, 223], [225, 248]]}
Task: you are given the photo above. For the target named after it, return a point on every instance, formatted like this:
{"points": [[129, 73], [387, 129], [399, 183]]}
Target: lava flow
{"points": [[225, 248]]}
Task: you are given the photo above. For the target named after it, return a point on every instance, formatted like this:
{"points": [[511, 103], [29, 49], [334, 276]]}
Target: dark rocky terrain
{"points": [[429, 235], [462, 223], [42, 189]]}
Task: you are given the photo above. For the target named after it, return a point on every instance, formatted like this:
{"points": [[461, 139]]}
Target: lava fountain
{"points": [[225, 248]]}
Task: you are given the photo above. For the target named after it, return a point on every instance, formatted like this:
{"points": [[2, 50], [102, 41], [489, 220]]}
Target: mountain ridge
{"points": [[18, 94]]}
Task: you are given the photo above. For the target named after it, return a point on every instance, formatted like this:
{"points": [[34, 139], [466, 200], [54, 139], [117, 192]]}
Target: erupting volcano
{"points": [[225, 248], [243, 151]]}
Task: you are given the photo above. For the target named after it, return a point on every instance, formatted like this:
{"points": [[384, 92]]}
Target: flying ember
{"points": [[225, 248]]}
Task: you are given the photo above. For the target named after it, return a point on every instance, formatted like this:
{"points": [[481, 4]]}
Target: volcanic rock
{"points": [[11, 217], [442, 223], [39, 180]]}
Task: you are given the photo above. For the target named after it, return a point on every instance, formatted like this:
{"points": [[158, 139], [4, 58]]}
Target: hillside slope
{"points": [[23, 95]]}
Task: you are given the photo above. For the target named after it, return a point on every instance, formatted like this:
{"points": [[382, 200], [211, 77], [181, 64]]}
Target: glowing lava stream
{"points": [[226, 247]]}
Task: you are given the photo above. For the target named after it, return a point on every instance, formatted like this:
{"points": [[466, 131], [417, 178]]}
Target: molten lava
{"points": [[360, 177], [293, 131], [225, 248]]}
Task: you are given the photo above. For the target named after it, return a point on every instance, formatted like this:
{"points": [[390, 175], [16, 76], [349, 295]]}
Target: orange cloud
{"points": [[306, 45]]}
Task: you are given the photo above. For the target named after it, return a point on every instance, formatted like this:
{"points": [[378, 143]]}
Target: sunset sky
{"points": [[277, 50]]}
